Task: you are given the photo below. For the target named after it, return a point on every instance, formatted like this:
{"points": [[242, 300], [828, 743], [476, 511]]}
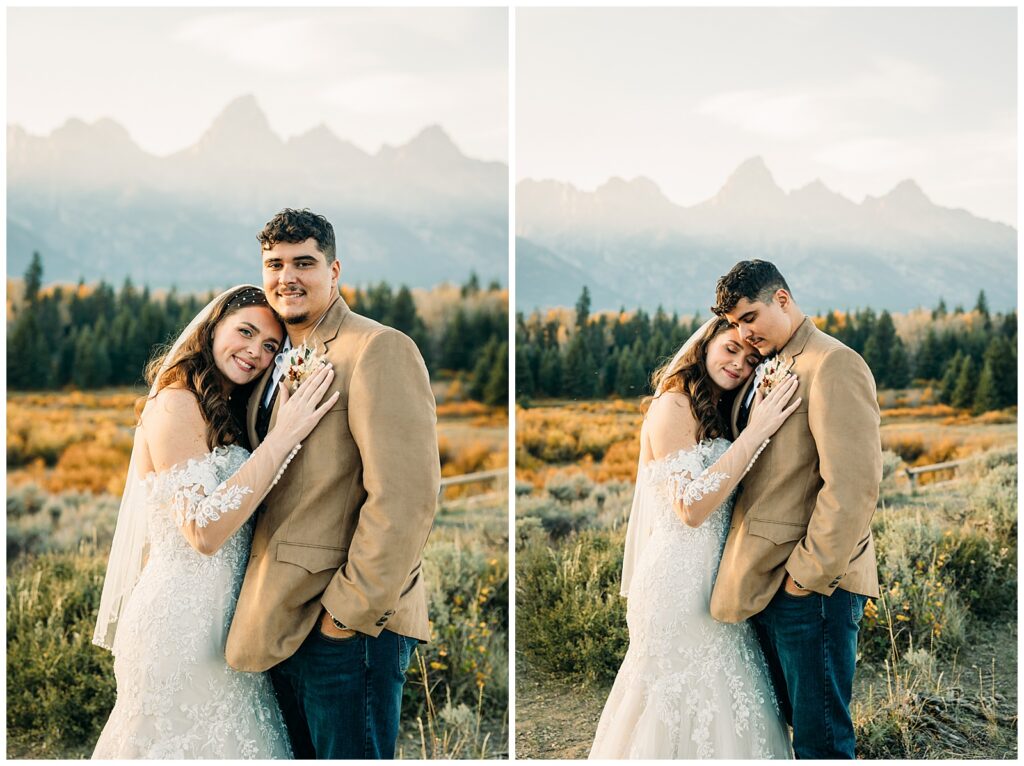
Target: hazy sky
{"points": [[373, 76], [861, 98]]}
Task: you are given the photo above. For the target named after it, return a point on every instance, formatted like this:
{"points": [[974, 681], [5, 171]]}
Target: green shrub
{"points": [[469, 616], [571, 618], [60, 687], [38, 522], [568, 488], [557, 519], [947, 564]]}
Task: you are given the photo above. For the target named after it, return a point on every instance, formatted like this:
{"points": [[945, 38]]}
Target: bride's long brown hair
{"points": [[689, 376], [195, 370]]}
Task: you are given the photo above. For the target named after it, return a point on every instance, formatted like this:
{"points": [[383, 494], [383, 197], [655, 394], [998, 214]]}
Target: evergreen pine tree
{"points": [[949, 378], [928, 360], [472, 287], [1001, 364], [33, 278], [981, 306], [878, 348], [524, 375], [455, 343], [403, 312], [899, 365], [496, 390], [482, 370], [25, 365], [966, 384], [986, 397], [82, 372], [632, 380], [65, 359], [579, 374], [609, 373], [583, 308], [550, 377]]}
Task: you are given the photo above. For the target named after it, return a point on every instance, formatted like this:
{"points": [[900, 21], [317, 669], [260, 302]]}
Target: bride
{"points": [[182, 542], [691, 687]]}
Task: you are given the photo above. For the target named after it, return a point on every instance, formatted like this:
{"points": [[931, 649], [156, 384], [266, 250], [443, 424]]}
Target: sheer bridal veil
{"points": [[128, 549], [641, 516]]}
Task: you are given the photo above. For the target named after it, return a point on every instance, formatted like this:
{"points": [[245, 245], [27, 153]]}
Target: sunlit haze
{"points": [[860, 98], [372, 76]]}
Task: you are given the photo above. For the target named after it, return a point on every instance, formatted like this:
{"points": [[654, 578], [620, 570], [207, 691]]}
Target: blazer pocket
{"points": [[777, 531], [312, 558]]}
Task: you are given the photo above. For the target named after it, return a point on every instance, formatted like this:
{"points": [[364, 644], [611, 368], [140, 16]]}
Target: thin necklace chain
{"points": [[318, 321]]}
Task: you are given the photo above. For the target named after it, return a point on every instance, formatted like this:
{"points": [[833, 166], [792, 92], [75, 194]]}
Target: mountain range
{"points": [[632, 246], [95, 205]]}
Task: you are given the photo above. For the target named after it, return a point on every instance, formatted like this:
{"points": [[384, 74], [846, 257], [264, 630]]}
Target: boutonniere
{"points": [[775, 372], [298, 363]]}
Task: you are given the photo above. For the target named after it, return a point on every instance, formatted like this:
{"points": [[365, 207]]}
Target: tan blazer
{"points": [[345, 526], [806, 505]]}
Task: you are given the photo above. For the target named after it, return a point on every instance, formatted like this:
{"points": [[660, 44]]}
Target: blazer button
{"points": [[389, 612], [380, 623]]}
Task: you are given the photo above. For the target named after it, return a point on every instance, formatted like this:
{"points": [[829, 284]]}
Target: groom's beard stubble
{"points": [[297, 319]]}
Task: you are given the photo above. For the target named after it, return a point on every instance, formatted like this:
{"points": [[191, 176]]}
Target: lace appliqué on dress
{"points": [[195, 491], [689, 686], [176, 696], [686, 476]]}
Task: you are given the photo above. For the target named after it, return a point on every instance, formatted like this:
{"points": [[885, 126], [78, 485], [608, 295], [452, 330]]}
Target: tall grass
{"points": [[61, 687]]}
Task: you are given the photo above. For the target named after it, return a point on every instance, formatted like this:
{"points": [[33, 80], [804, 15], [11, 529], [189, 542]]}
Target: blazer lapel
{"points": [[329, 328], [796, 344]]}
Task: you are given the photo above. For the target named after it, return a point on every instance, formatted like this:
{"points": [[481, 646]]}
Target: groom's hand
{"points": [[328, 628], [792, 588]]}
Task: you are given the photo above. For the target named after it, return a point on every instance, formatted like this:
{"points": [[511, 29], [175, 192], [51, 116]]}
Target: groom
{"points": [[333, 600], [799, 560]]}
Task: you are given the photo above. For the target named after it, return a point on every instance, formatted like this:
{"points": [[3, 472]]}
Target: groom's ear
{"points": [[336, 271], [783, 298]]}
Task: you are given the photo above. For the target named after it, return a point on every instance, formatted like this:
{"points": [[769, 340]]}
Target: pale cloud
{"points": [[264, 41], [389, 93], [871, 155], [893, 82], [809, 110], [773, 113]]}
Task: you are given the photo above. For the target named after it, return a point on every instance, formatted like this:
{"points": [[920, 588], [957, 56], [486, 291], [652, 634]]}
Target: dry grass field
{"points": [[66, 457]]}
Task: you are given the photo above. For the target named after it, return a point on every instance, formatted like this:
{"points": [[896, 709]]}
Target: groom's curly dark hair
{"points": [[754, 280], [297, 226]]}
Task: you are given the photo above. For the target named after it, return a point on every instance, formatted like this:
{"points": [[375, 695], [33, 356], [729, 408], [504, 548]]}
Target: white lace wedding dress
{"points": [[176, 695], [689, 687]]}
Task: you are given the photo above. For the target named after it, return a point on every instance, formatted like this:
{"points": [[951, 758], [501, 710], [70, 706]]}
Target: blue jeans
{"points": [[810, 643], [341, 697]]}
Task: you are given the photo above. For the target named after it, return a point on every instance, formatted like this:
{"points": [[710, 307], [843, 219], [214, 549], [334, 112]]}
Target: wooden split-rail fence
{"points": [[916, 471], [493, 476]]}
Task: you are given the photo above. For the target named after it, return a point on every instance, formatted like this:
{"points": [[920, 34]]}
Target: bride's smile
{"points": [[244, 347]]}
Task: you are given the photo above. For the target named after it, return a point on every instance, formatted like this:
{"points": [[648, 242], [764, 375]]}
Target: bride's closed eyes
{"points": [[735, 349]]}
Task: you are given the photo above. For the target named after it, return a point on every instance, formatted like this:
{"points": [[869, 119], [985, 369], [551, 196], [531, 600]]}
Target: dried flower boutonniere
{"points": [[776, 371], [298, 363]]}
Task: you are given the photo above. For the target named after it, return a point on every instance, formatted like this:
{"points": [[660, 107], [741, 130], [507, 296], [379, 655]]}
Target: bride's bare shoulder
{"points": [[172, 405], [670, 407], [670, 422]]}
